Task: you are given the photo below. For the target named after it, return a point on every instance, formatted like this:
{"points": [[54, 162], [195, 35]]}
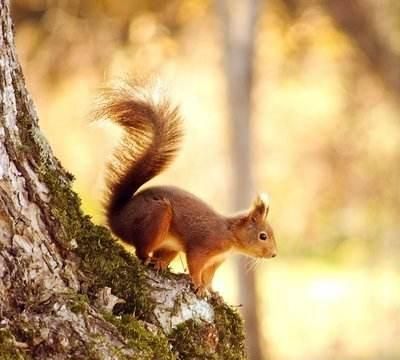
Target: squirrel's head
{"points": [[253, 233]]}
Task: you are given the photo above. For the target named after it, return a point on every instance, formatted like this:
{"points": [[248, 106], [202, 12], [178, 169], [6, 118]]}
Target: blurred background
{"points": [[297, 98]]}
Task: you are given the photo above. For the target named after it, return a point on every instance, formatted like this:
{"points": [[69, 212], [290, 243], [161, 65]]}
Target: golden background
{"points": [[325, 145]]}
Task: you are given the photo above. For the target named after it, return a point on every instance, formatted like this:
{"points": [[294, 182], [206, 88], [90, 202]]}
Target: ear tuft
{"points": [[263, 199], [260, 207]]}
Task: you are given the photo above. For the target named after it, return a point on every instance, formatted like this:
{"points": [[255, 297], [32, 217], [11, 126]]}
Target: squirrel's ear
{"points": [[260, 207]]}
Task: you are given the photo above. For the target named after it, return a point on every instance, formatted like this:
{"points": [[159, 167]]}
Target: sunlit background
{"points": [[325, 144]]}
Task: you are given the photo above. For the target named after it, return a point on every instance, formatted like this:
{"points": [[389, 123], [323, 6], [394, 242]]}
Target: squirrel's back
{"points": [[152, 137], [191, 217]]}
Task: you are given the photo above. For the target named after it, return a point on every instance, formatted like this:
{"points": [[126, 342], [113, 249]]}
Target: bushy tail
{"points": [[152, 137]]}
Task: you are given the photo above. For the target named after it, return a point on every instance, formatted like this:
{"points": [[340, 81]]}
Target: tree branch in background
{"points": [[354, 19]]}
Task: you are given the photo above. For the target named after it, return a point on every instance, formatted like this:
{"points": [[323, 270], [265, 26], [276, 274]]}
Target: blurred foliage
{"points": [[326, 128], [65, 35]]}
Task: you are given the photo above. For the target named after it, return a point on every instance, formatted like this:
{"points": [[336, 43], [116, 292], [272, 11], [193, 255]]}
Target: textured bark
{"points": [[63, 279]]}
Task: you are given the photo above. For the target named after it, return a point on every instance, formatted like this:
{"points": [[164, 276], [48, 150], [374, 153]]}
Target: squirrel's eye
{"points": [[263, 236]]}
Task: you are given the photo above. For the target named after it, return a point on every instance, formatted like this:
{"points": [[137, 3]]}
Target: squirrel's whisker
{"points": [[252, 265]]}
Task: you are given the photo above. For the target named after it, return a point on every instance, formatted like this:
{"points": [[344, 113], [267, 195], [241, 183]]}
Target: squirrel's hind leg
{"points": [[162, 258], [152, 229]]}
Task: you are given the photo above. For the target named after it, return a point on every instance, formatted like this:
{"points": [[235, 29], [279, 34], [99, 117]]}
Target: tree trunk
{"points": [[239, 23], [63, 280]]}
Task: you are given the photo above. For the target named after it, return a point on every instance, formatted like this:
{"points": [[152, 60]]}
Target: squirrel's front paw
{"points": [[201, 290]]}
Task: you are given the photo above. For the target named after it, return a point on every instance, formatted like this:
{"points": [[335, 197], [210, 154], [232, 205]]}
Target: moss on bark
{"points": [[149, 345], [222, 340], [8, 348]]}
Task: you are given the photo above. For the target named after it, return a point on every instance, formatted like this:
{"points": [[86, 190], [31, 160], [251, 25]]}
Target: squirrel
{"points": [[161, 221]]}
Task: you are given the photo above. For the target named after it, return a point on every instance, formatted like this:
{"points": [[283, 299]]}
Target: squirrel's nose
{"points": [[274, 254]]}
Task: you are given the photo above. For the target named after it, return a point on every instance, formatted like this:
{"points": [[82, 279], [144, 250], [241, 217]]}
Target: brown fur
{"points": [[161, 221]]}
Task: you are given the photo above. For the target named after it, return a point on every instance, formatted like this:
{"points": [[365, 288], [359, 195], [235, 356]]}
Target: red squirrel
{"points": [[161, 221]]}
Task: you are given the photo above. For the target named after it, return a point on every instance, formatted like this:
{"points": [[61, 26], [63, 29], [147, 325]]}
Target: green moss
{"points": [[194, 340], [106, 263], [8, 350], [229, 324], [24, 332], [79, 303], [223, 340], [149, 346]]}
